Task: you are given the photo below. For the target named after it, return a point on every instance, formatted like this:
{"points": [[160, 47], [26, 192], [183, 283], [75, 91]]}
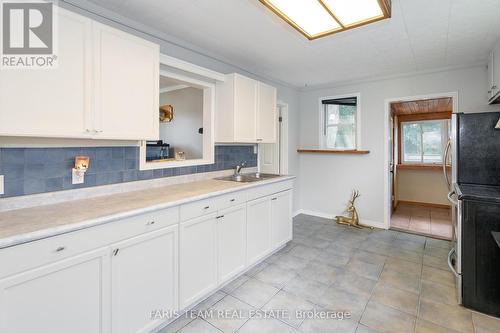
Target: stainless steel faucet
{"points": [[237, 169]]}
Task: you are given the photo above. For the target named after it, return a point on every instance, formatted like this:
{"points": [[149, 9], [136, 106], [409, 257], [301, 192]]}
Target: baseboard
{"points": [[423, 204], [371, 223]]}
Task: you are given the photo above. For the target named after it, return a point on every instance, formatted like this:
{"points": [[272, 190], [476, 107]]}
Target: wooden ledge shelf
{"points": [[422, 167], [333, 151]]}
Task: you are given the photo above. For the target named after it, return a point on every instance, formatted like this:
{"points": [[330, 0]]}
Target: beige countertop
{"points": [[29, 224]]}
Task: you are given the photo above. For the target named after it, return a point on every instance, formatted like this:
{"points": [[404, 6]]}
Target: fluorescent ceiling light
{"points": [[351, 12], [318, 18], [307, 15]]}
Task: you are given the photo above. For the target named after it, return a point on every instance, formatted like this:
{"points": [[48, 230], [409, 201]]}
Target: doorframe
{"points": [[387, 119], [281, 137]]}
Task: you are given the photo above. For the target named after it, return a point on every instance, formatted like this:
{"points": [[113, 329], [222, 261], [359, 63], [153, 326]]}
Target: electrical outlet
{"points": [[1, 184]]}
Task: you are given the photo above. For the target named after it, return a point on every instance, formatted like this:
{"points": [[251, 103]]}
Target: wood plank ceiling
{"points": [[423, 106]]}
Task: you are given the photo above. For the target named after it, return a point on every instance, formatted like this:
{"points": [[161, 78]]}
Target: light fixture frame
{"points": [[385, 6]]}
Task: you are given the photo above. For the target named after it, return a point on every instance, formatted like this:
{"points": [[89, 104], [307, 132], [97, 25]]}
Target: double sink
{"points": [[248, 177]]}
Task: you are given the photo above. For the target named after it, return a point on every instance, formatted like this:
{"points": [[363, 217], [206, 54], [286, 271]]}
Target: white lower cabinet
{"points": [[258, 229], [143, 280], [231, 234], [123, 276], [66, 296], [198, 259], [281, 216]]}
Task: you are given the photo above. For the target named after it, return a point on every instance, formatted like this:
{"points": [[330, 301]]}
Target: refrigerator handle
{"points": [[445, 158], [450, 198], [450, 264]]}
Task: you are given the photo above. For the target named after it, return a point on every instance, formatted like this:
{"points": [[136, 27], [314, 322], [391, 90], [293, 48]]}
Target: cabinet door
{"points": [[126, 85], [66, 296], [245, 109], [258, 229], [52, 102], [496, 71], [266, 115], [281, 218], [144, 279], [198, 259], [231, 232]]}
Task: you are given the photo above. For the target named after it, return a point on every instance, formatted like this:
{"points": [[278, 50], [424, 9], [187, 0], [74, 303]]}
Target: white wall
{"points": [[182, 132], [326, 181], [426, 186]]}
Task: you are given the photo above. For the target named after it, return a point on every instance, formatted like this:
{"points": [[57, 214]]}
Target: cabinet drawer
{"points": [[269, 189], [198, 208], [231, 199], [37, 253]]}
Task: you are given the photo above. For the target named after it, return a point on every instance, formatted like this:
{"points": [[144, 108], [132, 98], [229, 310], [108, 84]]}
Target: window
{"points": [[423, 142], [340, 123]]}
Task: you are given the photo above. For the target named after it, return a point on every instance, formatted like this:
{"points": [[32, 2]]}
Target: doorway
{"points": [[273, 157], [418, 131]]}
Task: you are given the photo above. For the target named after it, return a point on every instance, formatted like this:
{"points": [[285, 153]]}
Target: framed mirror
{"points": [[186, 114]]}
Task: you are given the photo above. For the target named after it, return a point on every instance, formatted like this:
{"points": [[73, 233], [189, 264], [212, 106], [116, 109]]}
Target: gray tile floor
{"points": [[388, 281]]}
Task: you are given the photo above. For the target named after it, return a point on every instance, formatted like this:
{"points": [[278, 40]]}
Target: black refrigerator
{"points": [[475, 197]]}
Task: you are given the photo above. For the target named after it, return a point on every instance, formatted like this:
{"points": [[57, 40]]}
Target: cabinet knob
{"points": [[274, 199], [206, 207], [220, 216], [232, 200], [115, 252], [61, 248], [150, 223]]}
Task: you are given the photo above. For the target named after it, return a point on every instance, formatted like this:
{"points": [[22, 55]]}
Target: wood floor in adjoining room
{"points": [[388, 281], [428, 221]]}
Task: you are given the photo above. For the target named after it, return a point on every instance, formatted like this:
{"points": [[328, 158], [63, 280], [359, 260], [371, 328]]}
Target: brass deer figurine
{"points": [[352, 221]]}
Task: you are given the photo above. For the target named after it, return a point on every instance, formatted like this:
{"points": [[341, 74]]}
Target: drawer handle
{"points": [[232, 200], [206, 207], [150, 223], [115, 252], [61, 248], [220, 216], [274, 199]]}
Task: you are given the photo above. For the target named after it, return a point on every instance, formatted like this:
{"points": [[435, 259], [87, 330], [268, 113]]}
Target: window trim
{"points": [[444, 139], [322, 120]]}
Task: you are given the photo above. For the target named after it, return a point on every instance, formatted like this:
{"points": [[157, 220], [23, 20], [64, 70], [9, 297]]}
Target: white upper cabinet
{"points": [[494, 74], [246, 111], [258, 229], [266, 114], [105, 86], [52, 102], [126, 85]]}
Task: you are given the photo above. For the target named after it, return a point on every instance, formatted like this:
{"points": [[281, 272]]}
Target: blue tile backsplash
{"points": [[39, 170]]}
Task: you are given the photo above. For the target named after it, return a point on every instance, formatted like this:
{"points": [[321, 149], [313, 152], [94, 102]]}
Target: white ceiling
{"points": [[421, 35]]}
